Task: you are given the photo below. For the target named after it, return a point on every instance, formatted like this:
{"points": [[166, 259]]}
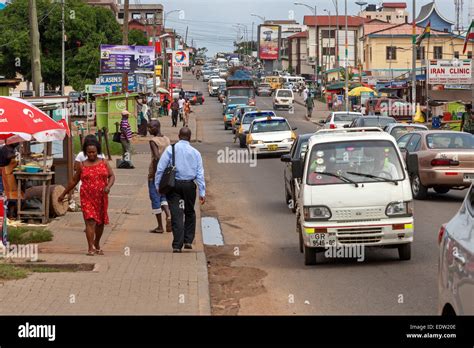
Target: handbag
{"points": [[116, 136], [168, 179]]}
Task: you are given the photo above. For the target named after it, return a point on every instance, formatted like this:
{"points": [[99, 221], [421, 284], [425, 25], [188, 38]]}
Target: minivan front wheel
{"points": [[309, 255], [404, 251], [417, 188]]}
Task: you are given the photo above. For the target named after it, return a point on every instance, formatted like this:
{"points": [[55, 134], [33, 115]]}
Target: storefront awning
{"points": [[463, 96]]}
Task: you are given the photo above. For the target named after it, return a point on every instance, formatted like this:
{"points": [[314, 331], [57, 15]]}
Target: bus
{"points": [[276, 82]]}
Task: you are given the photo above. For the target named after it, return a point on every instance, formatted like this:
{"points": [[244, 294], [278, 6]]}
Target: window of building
{"points": [[326, 34], [438, 52], [370, 50], [120, 15], [456, 54], [149, 16], [136, 15], [469, 54], [406, 19], [420, 53], [329, 51], [369, 17], [389, 18], [391, 53]]}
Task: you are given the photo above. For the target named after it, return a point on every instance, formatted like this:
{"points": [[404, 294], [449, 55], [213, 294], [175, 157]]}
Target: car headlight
{"points": [[317, 213], [397, 209], [289, 140], [257, 142]]}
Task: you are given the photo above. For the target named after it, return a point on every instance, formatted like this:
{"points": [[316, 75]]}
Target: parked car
{"points": [[339, 119], [296, 153], [195, 97], [456, 261], [396, 130], [270, 135], [340, 203], [264, 89], [371, 121], [283, 98], [442, 160]]}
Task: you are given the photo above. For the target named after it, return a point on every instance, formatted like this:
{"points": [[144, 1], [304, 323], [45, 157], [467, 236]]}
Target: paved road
{"points": [[249, 203]]}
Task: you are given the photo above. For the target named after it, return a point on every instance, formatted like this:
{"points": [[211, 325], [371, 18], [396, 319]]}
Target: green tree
{"points": [[137, 37], [87, 27]]}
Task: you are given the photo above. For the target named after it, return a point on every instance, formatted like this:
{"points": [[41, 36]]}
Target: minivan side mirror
{"points": [[285, 158], [297, 168]]}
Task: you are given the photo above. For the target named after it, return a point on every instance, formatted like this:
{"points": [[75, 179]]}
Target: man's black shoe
{"points": [[188, 246], [176, 250]]}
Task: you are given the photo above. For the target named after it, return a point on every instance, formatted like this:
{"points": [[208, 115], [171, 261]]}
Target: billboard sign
{"points": [[455, 72], [180, 58], [177, 72], [269, 42], [98, 89], [121, 58], [115, 81]]}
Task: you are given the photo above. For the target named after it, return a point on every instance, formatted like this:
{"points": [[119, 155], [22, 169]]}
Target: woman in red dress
{"points": [[97, 178]]}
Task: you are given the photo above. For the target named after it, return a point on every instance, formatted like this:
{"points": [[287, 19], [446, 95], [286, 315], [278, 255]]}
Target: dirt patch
{"points": [[229, 284]]}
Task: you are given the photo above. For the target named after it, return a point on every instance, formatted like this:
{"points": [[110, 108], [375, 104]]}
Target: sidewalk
{"points": [[320, 111], [138, 274]]}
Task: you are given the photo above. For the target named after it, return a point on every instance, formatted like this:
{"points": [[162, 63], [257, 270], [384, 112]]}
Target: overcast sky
{"points": [[212, 23]]}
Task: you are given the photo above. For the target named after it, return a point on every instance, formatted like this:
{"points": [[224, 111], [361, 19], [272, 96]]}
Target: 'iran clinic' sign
{"points": [[456, 72]]}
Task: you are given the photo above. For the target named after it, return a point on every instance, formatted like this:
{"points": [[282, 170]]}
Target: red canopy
{"points": [[21, 121]]}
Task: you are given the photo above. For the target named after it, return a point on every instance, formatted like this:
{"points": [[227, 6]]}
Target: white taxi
{"points": [[270, 135]]}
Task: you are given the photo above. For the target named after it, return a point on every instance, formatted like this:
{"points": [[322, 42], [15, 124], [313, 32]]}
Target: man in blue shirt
{"points": [[188, 162]]}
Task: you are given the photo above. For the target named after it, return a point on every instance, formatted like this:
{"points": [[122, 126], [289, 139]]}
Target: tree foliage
{"points": [[86, 27], [137, 37]]}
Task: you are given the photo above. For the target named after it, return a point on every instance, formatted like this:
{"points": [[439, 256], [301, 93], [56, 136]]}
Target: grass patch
{"points": [[27, 235], [115, 148], [11, 272], [42, 269]]}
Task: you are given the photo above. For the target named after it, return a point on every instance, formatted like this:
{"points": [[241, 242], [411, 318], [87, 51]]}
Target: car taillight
{"points": [[332, 126], [443, 162], [441, 232]]}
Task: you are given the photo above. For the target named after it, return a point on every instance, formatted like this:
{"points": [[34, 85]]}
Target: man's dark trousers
{"points": [[174, 118], [183, 231]]}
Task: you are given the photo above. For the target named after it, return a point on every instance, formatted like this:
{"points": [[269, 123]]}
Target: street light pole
{"points": [[315, 40], [63, 34], [336, 4], [413, 71], [347, 63]]}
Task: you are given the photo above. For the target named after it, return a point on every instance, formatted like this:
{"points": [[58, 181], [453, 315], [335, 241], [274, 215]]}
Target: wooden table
{"points": [[45, 178]]}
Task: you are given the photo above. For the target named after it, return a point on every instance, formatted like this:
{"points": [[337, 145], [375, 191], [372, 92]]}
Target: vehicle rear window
{"points": [[398, 131], [345, 117], [271, 125], [450, 141], [250, 117], [284, 94], [377, 122], [238, 100]]}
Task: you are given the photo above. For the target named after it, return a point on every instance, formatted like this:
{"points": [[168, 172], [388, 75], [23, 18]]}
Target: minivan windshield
{"points": [[359, 161], [284, 94]]}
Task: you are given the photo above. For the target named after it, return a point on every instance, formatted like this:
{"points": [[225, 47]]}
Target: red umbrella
{"points": [[21, 121]]}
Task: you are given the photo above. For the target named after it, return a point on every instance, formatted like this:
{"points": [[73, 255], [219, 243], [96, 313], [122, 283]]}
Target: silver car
{"points": [[456, 261]]}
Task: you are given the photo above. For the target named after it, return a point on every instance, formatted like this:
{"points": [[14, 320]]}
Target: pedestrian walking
{"points": [[467, 120], [158, 144], [309, 106], [143, 117], [164, 105], [126, 137], [174, 112], [182, 94], [305, 93], [187, 112], [181, 102], [189, 169], [329, 100], [97, 179]]}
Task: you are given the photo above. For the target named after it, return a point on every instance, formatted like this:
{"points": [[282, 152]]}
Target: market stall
{"points": [[21, 123]]}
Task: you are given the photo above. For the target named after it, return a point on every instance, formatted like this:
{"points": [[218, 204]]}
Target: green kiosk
{"points": [[109, 109]]}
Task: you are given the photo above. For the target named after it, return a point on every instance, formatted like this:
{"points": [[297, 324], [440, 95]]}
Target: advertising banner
{"points": [[455, 72], [180, 58], [115, 81], [120, 58], [178, 72], [268, 42]]}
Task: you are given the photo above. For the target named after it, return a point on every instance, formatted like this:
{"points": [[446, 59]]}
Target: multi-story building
{"points": [[390, 12], [326, 36], [144, 13], [112, 5], [298, 53]]}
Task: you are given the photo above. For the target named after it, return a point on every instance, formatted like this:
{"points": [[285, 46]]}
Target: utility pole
{"points": [[125, 42], [347, 63], [186, 37], [251, 46], [62, 48], [35, 48], [154, 48], [337, 40], [316, 50], [413, 69]]}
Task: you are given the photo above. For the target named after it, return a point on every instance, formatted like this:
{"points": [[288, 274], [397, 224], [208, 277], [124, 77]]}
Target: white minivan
{"points": [[283, 98], [354, 192], [213, 86]]}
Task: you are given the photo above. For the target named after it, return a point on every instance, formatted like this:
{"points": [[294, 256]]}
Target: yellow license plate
{"points": [[272, 147]]}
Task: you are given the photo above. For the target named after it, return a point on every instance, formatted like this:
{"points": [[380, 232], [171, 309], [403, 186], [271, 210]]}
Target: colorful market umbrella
{"points": [[21, 121], [358, 90]]}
